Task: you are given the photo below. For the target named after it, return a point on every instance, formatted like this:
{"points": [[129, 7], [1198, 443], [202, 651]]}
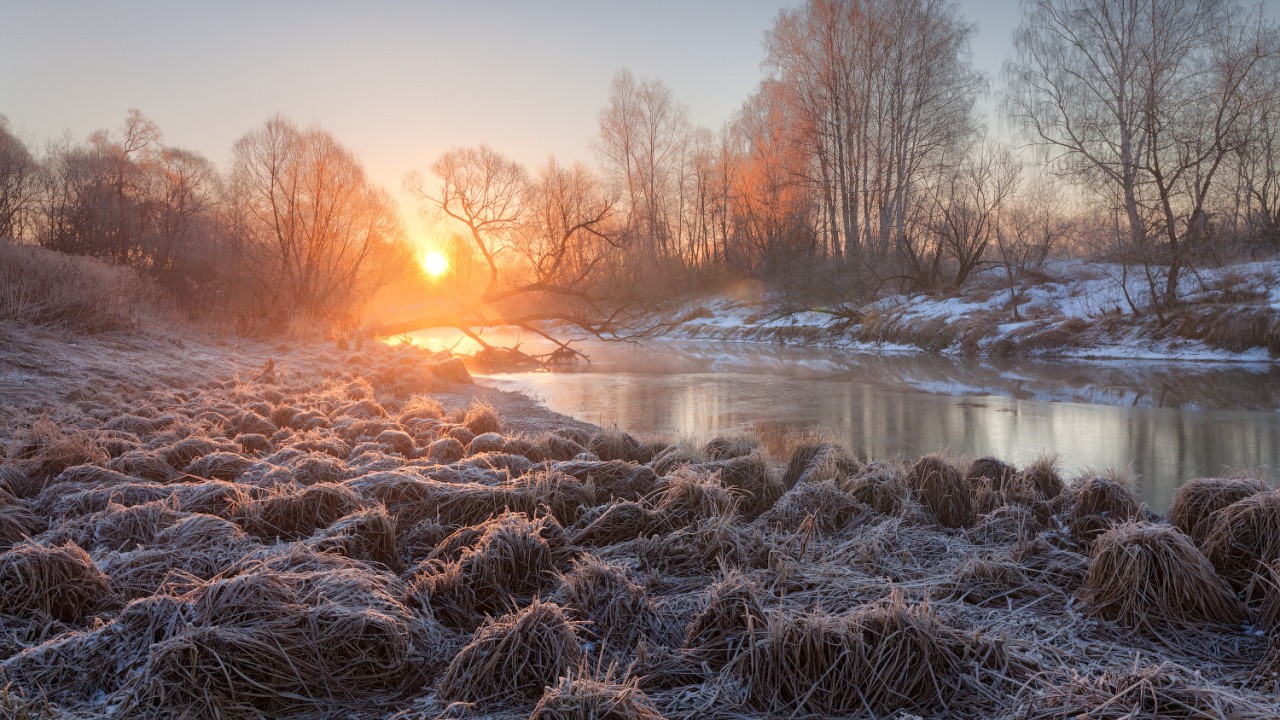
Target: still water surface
{"points": [[1164, 422]]}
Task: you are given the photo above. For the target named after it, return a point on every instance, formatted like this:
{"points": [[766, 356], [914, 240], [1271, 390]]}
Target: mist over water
{"points": [[1165, 422]]}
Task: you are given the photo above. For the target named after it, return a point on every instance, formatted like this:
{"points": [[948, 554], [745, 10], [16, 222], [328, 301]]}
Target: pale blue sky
{"points": [[398, 82]]}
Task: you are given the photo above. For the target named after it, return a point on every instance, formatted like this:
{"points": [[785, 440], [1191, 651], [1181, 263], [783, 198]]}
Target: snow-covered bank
{"points": [[1071, 309]]}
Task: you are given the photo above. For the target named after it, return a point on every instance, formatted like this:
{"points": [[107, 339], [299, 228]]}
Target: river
{"points": [[1163, 422]]}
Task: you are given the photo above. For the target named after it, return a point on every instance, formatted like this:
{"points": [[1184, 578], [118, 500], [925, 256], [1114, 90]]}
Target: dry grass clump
{"points": [[724, 448], [411, 499], [750, 479], [708, 545], [982, 581], [196, 547], [61, 582], [511, 659], [617, 445], [1267, 584], [313, 468], [1047, 562], [689, 497], [487, 443], [1006, 525], [556, 447], [998, 472], [461, 434], [481, 418], [420, 407], [815, 506], [94, 475], [17, 705], [143, 464], [182, 453], [69, 500], [214, 497], [564, 496], [121, 528], [1095, 504], [940, 488], [1152, 576], [289, 513], [1164, 690], [1245, 537], [1198, 499], [675, 456], [731, 617], [445, 451], [368, 535], [399, 441], [251, 423], [45, 448], [618, 612], [1267, 672], [588, 699], [1043, 478], [10, 478], [363, 409], [880, 486], [506, 466], [491, 569], [821, 461], [879, 659], [614, 522], [274, 639], [619, 479], [17, 523], [219, 465]]}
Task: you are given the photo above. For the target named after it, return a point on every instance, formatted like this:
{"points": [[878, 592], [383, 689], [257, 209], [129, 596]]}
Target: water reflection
{"points": [[1165, 422]]}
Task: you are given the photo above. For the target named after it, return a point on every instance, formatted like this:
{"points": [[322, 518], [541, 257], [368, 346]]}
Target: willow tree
{"points": [[310, 226]]}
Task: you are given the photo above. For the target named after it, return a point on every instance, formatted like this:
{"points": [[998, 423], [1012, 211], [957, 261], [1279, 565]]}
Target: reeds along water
{"points": [[344, 544]]}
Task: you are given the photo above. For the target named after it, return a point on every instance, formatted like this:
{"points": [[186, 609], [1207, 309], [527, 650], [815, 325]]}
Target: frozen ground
{"points": [[54, 372]]}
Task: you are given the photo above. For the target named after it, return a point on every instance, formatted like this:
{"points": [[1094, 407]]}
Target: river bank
{"points": [[1070, 309], [293, 530]]}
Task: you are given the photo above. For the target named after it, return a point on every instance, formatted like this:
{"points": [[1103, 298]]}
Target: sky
{"points": [[397, 82]]}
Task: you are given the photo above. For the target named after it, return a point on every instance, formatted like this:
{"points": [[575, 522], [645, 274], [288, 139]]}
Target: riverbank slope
{"points": [[1070, 309]]}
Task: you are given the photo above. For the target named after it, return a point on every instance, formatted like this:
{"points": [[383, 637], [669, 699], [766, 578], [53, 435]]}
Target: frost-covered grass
{"points": [[349, 534], [1072, 308]]}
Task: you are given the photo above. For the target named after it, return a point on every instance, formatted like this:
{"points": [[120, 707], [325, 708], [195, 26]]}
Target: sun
{"points": [[435, 264]]}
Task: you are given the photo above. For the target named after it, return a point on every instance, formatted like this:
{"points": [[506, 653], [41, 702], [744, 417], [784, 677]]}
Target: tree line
{"points": [[294, 228], [1147, 134]]}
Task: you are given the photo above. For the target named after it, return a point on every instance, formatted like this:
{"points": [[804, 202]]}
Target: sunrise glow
{"points": [[434, 263]]}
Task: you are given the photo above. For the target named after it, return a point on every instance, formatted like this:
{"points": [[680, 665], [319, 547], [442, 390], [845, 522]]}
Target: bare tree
{"points": [[772, 204], [1143, 101], [18, 171], [307, 220], [883, 92], [1256, 164], [483, 190], [1030, 226], [544, 242], [961, 218], [644, 135]]}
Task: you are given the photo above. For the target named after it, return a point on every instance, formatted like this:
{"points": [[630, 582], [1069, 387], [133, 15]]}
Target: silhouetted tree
{"points": [[18, 171], [308, 224]]}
